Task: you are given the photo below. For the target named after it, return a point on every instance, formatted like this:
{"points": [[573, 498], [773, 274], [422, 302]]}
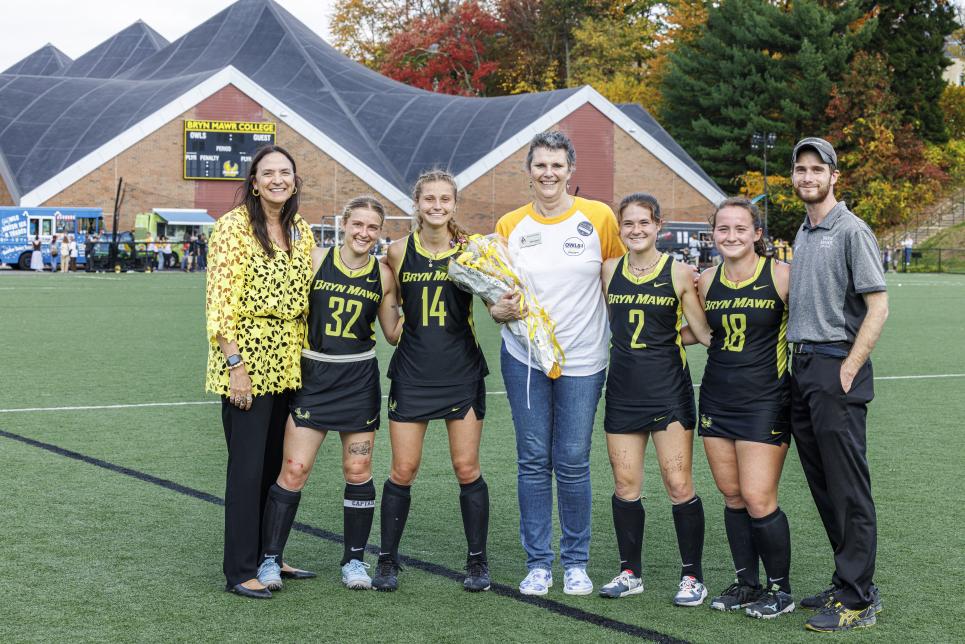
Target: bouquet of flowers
{"points": [[484, 269]]}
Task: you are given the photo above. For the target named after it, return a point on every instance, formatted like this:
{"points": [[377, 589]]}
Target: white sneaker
{"points": [[354, 575], [576, 582], [626, 583], [691, 592], [537, 582]]}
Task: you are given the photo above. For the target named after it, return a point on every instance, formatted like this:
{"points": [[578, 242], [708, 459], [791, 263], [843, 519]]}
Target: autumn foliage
{"points": [[448, 54]]}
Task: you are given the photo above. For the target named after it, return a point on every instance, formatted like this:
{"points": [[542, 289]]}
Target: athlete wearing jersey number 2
{"points": [[437, 372], [745, 406], [340, 389], [649, 394]]}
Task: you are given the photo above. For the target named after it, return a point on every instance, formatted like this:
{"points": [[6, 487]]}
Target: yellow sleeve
{"points": [[606, 222], [228, 250], [506, 223]]}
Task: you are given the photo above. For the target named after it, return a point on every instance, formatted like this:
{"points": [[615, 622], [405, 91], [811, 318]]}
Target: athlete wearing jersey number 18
{"points": [[744, 406], [649, 394]]}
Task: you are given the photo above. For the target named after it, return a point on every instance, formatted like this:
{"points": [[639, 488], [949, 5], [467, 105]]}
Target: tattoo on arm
{"points": [[362, 448]]}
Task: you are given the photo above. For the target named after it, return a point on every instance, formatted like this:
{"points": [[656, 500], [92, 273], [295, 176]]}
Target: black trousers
{"points": [[254, 439], [829, 430]]}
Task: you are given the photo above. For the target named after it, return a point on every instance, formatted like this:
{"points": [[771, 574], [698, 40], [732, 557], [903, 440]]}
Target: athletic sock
{"points": [[280, 508], [688, 521], [357, 512], [629, 518], [742, 549], [474, 503], [394, 512], [772, 538]]}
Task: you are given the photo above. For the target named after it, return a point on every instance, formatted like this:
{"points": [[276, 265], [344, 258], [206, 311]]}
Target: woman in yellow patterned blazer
{"points": [[259, 268]]}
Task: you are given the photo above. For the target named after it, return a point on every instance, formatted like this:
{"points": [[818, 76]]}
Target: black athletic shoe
{"points": [[736, 596], [839, 618], [772, 603], [477, 577], [825, 599], [386, 576]]}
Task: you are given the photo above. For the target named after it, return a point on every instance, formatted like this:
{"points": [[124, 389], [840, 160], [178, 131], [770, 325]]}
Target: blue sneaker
{"points": [[269, 573], [576, 581], [354, 575], [537, 582]]}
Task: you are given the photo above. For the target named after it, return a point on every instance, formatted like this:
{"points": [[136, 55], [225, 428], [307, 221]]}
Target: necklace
{"points": [[730, 279], [644, 269], [347, 265]]}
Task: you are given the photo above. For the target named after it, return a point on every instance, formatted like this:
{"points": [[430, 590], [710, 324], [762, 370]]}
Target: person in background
{"points": [[36, 257], [72, 246], [64, 254], [201, 258], [908, 245], [54, 253], [89, 243]]}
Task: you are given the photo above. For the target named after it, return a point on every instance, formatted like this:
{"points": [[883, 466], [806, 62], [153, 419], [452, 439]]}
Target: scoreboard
{"points": [[223, 149]]}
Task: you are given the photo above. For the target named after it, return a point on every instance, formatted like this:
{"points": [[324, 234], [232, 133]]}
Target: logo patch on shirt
{"points": [[532, 239], [574, 246], [827, 241], [585, 228]]}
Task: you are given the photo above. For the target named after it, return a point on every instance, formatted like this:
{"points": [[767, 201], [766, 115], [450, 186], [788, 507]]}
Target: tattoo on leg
{"points": [[363, 448]]}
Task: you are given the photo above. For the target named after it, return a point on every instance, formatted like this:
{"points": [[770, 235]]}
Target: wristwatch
{"points": [[234, 360]]}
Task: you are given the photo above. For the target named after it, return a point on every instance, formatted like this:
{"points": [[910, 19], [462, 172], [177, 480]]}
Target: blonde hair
{"points": [[429, 176], [364, 201]]}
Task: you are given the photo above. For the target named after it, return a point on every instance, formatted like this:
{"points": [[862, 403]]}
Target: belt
{"points": [[829, 349], [348, 357]]}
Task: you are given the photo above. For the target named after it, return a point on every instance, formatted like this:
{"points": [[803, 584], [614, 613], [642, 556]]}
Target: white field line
{"points": [[215, 402]]}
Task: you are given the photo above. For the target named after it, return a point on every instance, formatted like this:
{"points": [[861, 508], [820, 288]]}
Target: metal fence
{"points": [[932, 260]]}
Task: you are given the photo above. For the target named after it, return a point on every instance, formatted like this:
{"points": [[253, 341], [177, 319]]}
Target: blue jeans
{"points": [[552, 435]]}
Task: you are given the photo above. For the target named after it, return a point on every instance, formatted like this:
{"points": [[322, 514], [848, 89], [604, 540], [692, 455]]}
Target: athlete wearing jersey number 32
{"points": [[649, 395], [340, 389]]}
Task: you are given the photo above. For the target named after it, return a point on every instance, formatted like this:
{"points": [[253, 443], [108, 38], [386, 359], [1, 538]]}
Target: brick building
{"points": [[70, 129]]}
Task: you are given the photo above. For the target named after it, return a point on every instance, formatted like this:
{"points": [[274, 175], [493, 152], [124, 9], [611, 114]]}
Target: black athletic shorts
{"points": [[338, 396], [410, 403], [772, 426], [629, 416]]}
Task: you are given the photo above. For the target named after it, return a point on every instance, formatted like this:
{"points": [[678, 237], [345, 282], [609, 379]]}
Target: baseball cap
{"points": [[822, 147]]}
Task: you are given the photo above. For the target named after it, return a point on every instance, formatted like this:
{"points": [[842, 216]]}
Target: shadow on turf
{"points": [[410, 562]]}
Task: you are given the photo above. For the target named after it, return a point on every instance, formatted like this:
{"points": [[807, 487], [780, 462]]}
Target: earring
{"points": [[295, 190], [254, 191]]}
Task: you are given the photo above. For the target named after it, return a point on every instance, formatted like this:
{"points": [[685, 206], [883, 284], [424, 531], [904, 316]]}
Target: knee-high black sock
{"points": [[357, 512], [629, 518], [474, 503], [394, 512], [280, 508], [772, 538], [688, 521], [738, 526]]}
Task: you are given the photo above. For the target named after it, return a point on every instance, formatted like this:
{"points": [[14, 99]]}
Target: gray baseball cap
{"points": [[822, 147]]}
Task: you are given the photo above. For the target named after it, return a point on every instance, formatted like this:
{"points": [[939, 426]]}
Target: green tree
{"points": [[911, 34], [756, 66]]}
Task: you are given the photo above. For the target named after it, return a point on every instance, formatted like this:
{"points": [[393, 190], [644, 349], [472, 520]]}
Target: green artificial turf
{"points": [[92, 554]]}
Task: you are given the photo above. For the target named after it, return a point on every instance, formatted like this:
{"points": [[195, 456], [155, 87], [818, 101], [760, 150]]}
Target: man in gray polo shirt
{"points": [[838, 306]]}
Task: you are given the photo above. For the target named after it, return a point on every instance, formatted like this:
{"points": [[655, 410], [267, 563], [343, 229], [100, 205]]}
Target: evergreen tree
{"points": [[757, 66], [911, 34]]}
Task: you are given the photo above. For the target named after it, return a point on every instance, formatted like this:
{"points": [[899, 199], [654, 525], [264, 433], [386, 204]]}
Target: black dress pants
{"points": [[829, 430], [254, 439]]}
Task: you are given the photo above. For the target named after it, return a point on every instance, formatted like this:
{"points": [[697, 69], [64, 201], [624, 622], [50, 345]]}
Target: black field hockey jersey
{"points": [[438, 344], [647, 359], [747, 357], [343, 305]]}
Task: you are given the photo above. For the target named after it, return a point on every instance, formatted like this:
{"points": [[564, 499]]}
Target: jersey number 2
{"points": [[637, 317], [437, 309], [734, 326], [339, 306]]}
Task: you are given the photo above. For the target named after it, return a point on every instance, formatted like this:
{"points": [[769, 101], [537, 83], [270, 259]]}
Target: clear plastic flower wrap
{"points": [[484, 269]]}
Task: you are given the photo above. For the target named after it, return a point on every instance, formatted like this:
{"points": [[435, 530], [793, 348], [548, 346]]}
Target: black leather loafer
{"points": [[238, 589], [295, 573]]}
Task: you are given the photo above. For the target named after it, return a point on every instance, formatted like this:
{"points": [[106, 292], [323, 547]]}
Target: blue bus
{"points": [[19, 226]]}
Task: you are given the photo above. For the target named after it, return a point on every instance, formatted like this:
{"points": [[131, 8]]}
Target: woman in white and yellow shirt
{"points": [[259, 269], [558, 243]]}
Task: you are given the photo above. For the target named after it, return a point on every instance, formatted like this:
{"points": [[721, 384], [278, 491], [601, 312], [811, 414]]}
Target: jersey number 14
{"points": [[435, 309]]}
